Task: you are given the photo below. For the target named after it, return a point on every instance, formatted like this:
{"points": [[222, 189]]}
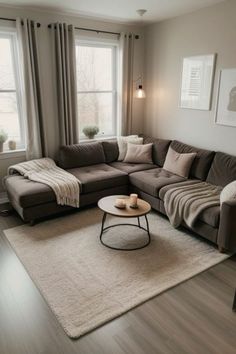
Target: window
{"points": [[97, 86], [11, 121]]}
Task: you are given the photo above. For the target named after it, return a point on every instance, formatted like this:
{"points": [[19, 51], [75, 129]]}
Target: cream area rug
{"points": [[87, 284]]}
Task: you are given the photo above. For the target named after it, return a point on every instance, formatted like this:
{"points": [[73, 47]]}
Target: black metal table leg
{"points": [[148, 231], [103, 229], [234, 302], [138, 222]]}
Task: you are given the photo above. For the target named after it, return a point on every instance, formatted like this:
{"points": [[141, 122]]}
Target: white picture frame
{"points": [[226, 98], [197, 82]]}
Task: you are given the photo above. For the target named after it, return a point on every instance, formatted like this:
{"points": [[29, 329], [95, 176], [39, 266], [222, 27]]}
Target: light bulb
{"points": [[140, 93]]}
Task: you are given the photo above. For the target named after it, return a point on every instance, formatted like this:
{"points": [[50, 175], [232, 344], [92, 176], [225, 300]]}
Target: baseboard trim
{"points": [[3, 198]]}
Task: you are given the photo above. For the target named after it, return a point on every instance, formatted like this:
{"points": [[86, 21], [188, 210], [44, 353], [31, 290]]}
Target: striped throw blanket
{"points": [[184, 201], [65, 186]]}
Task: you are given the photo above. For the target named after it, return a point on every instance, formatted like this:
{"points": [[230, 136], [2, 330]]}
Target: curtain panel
{"points": [[65, 59], [127, 61], [35, 132]]}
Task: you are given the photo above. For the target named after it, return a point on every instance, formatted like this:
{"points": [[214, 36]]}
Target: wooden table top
{"points": [[107, 205]]}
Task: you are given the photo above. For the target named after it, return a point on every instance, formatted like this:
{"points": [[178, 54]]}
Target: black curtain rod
{"points": [[97, 31], [14, 20]]}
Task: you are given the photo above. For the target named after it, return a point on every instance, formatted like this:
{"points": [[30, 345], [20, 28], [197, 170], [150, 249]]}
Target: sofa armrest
{"points": [[227, 229]]}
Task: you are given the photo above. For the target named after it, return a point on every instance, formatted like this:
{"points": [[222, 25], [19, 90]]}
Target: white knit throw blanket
{"points": [[185, 201], [65, 186]]}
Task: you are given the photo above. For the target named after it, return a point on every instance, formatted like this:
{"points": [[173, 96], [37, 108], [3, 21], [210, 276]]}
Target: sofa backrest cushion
{"points": [[223, 169], [79, 155], [111, 150], [202, 161], [159, 149]]}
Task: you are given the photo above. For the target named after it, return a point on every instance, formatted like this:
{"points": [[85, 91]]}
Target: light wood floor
{"points": [[194, 317]]}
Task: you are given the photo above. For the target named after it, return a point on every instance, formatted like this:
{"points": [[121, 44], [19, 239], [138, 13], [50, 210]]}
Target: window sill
{"points": [[12, 154], [100, 138]]}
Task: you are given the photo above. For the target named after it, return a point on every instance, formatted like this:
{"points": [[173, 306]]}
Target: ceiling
{"points": [[117, 11]]}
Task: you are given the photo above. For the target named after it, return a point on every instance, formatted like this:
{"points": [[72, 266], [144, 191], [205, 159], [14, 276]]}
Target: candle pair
{"points": [[133, 201]]}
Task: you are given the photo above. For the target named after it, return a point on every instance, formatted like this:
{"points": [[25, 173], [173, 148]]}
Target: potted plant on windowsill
{"points": [[90, 131], [3, 139]]}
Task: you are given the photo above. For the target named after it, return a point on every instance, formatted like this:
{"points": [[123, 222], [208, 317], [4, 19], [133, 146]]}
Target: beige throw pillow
{"points": [[139, 153], [177, 163], [228, 192], [123, 143]]}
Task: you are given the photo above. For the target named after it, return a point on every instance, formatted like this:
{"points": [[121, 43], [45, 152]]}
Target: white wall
{"points": [[210, 30], [47, 69]]}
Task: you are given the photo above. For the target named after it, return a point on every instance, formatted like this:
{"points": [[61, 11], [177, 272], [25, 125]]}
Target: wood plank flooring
{"points": [[195, 317]]}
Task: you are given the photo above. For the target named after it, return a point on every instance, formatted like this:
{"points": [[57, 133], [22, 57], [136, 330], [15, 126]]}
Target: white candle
{"points": [[133, 200]]}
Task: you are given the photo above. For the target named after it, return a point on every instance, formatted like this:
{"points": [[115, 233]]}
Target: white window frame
{"points": [[112, 44], [10, 33]]}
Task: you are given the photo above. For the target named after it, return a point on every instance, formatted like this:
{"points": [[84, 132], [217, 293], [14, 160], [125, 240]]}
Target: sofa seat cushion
{"points": [[132, 167], [211, 216], [26, 193], [151, 181], [97, 177]]}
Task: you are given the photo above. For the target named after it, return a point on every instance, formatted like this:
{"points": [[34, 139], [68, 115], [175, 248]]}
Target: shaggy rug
{"points": [[87, 284]]}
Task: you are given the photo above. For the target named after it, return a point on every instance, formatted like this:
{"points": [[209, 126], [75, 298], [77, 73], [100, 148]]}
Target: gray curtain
{"points": [[127, 60], [35, 133], [64, 43]]}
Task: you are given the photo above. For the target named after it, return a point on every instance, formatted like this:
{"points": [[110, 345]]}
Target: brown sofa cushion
{"points": [[27, 193], [159, 148], [97, 177], [79, 155], [151, 181], [223, 169], [131, 167], [211, 216], [202, 161], [111, 150]]}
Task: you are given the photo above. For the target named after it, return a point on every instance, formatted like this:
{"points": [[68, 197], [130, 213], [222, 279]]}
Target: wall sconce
{"points": [[139, 91]]}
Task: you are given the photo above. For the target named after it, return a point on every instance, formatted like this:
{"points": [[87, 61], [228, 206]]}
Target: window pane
{"points": [[96, 109], [7, 81], [94, 68], [9, 120]]}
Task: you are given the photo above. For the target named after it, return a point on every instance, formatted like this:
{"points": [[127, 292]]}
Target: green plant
{"points": [[3, 136], [90, 131]]}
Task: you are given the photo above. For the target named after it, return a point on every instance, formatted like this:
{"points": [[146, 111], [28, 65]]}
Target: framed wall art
{"points": [[226, 100], [197, 81]]}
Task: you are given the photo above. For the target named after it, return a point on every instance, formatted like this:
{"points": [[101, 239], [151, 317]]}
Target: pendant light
{"points": [[139, 92]]}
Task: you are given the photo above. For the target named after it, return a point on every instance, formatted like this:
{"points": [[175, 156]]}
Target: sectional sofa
{"points": [[96, 166]]}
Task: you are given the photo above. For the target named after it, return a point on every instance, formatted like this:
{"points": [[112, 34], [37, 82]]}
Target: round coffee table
{"points": [[107, 205]]}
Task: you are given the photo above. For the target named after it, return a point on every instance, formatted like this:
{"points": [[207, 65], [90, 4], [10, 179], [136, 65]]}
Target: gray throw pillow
{"points": [[177, 163], [139, 153]]}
